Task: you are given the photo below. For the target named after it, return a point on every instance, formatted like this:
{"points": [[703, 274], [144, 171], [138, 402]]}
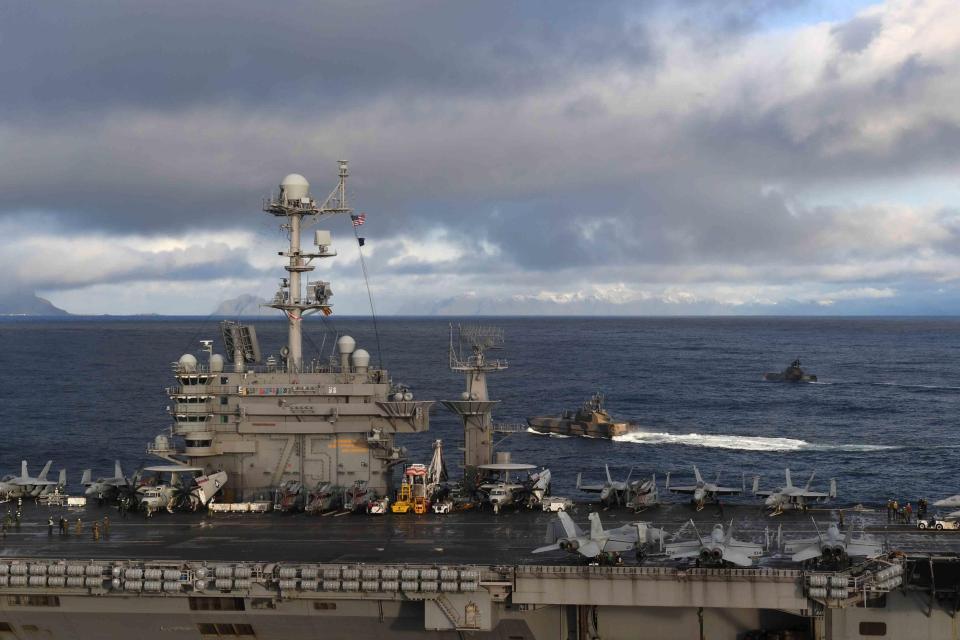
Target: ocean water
{"points": [[882, 419]]}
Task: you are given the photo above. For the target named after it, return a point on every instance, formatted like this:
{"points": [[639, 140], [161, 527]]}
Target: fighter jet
{"points": [[612, 492], [105, 488], [704, 491], [716, 549], [833, 548], [24, 486], [793, 497], [58, 487], [952, 501], [599, 544]]}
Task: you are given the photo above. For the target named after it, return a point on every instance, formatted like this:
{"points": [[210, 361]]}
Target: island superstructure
{"points": [[266, 422]]}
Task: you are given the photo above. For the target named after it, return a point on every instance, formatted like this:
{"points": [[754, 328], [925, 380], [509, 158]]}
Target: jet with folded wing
{"points": [[106, 488], [25, 486], [791, 496], [719, 548], [603, 545], [612, 492], [703, 491], [832, 547]]}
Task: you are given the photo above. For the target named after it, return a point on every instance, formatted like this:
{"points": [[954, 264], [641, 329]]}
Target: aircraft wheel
{"points": [[939, 526]]}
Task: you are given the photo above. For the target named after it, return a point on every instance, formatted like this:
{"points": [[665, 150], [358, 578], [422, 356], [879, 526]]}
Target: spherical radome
{"points": [[361, 358], [346, 344], [294, 187], [188, 362]]}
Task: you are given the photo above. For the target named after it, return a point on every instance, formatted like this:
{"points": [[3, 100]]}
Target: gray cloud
{"points": [[856, 35], [540, 145]]}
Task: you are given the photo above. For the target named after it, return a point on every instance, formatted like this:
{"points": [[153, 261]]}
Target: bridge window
{"points": [[873, 628]]}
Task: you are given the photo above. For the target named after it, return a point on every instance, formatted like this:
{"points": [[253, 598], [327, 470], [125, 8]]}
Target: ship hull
{"points": [[571, 428]]}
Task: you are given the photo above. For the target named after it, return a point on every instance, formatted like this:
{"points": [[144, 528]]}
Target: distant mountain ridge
{"points": [[27, 303], [246, 304]]}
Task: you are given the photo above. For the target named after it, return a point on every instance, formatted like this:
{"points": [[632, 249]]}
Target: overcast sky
{"points": [[536, 157]]}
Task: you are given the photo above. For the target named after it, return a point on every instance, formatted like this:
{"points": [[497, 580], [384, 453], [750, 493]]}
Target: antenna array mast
{"points": [[295, 203], [475, 407]]}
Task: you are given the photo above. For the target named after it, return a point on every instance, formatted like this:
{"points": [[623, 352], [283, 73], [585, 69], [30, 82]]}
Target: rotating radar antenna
{"points": [[469, 344]]}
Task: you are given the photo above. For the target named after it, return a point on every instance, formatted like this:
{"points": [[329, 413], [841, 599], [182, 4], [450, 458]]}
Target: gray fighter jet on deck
{"points": [[716, 549], [599, 544], [25, 486], [833, 548], [104, 488], [793, 497], [704, 491], [612, 492]]}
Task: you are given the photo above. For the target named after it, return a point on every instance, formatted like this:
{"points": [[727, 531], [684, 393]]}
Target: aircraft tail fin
{"points": [[756, 484], [23, 469], [579, 480], [847, 538], [667, 485], [788, 477], [696, 472], [816, 528], [46, 470], [117, 471], [833, 487], [85, 480], [569, 528], [609, 478], [729, 535], [627, 481], [810, 481], [62, 479], [596, 528]]}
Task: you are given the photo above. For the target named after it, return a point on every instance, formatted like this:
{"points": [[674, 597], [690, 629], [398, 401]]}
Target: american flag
{"points": [[358, 219]]}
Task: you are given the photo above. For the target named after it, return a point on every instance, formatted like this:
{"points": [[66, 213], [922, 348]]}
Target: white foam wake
{"points": [[552, 435], [743, 443]]}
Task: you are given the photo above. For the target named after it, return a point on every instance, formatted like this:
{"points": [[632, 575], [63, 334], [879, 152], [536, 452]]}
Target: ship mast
{"points": [[295, 203]]}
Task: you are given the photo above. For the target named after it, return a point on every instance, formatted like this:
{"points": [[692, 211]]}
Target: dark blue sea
{"points": [[882, 419]]}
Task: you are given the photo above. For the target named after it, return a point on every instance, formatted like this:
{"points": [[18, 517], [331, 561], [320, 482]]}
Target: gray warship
{"points": [[793, 373], [317, 425]]}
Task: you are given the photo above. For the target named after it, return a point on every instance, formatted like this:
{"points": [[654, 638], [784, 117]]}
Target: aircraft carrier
{"points": [[271, 421]]}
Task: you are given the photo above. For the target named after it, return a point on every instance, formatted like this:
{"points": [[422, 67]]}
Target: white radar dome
{"points": [[187, 362], [361, 359], [216, 363], [346, 344], [294, 187]]}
